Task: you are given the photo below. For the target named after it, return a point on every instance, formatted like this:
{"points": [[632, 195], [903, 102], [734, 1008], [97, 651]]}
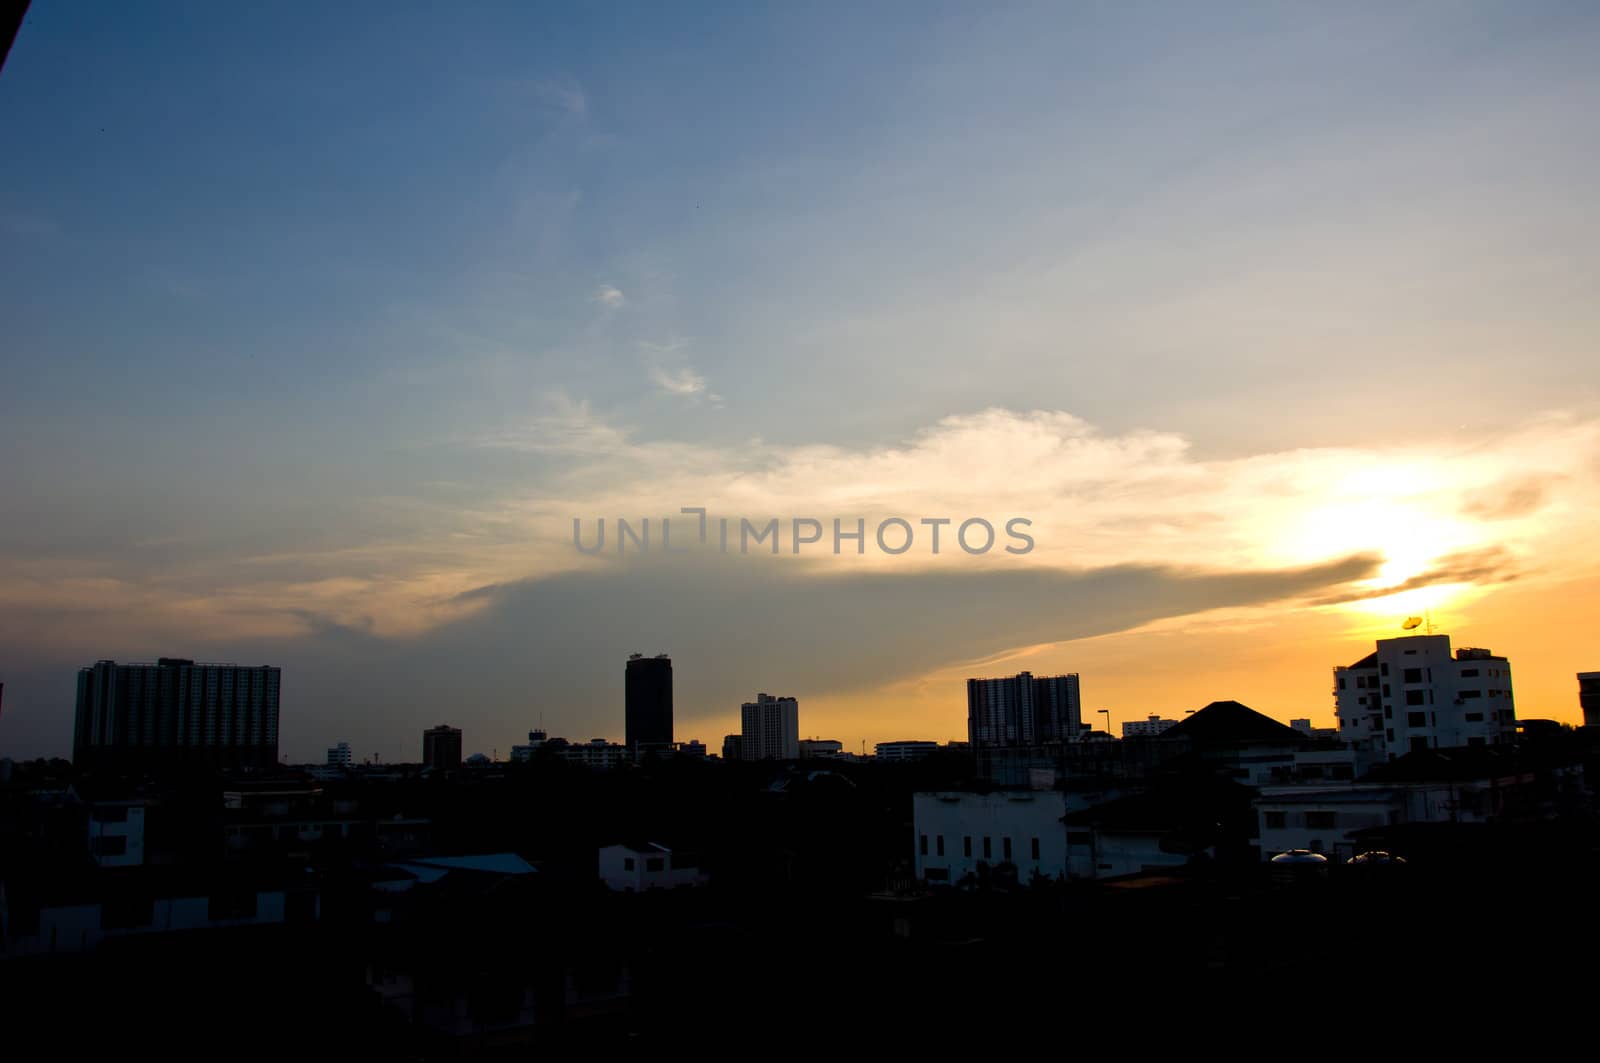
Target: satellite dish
{"points": [[1412, 623]]}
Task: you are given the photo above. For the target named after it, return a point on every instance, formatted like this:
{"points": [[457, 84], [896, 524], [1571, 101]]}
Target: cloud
{"points": [[567, 96], [678, 381], [609, 297]]}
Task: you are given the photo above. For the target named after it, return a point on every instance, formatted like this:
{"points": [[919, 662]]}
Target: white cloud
{"points": [[684, 381], [610, 297]]}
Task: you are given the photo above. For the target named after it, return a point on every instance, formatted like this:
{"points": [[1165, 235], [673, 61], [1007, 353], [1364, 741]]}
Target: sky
{"points": [[1277, 323]]}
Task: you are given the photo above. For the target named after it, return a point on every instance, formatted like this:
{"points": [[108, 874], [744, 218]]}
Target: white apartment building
{"points": [[1145, 728], [957, 831], [339, 756], [770, 728], [1412, 694], [630, 869]]}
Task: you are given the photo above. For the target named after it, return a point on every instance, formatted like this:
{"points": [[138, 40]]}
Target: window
{"points": [[1359, 682], [1005, 848], [1464, 694], [1416, 719], [1320, 820], [922, 845], [1383, 668], [1388, 713], [1078, 837], [938, 844], [1474, 717], [1389, 735], [1414, 697], [654, 863], [1469, 673], [1412, 675], [1036, 848], [1274, 820], [627, 863], [1386, 690], [988, 849], [966, 847]]}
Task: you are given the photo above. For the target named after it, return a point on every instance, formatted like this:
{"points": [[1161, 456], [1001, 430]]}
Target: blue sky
{"points": [[300, 288]]}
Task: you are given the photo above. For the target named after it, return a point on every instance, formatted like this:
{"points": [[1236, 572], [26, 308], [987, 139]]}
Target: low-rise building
{"points": [[637, 868]]}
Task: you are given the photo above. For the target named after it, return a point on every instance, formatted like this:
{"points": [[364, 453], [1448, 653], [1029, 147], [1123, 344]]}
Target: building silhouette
{"points": [[770, 728], [1023, 710], [1589, 697], [140, 715], [441, 747], [648, 709]]}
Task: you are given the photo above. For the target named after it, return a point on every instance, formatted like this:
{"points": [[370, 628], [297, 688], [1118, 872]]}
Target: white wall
{"points": [[1021, 815]]}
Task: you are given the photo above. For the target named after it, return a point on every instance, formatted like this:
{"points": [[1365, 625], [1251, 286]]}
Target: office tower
{"points": [[648, 711], [141, 715], [1589, 697], [771, 728], [1412, 694], [441, 747], [1023, 710]]}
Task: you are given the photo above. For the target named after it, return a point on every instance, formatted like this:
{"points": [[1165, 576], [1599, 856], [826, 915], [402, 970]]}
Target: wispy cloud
{"points": [[565, 95], [610, 297], [678, 381]]}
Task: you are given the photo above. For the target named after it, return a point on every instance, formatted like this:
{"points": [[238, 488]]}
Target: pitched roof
{"points": [[1229, 721]]}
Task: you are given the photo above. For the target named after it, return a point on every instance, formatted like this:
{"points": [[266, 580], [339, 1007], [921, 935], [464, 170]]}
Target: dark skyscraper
{"points": [[139, 714], [441, 747], [1023, 710], [649, 703]]}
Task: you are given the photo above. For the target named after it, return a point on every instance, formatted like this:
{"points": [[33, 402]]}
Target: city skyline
{"points": [[321, 334]]}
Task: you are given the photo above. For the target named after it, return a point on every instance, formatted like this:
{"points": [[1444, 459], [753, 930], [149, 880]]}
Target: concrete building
{"points": [[637, 868], [890, 752], [1023, 710], [1147, 728], [693, 748], [339, 756], [521, 754], [957, 831], [648, 704], [116, 832], [733, 747], [811, 748], [137, 715], [441, 747], [1589, 697], [1412, 694], [597, 754], [771, 728]]}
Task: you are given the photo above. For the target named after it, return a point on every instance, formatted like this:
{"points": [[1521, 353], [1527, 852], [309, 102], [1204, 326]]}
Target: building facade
{"points": [[1589, 697], [339, 756], [1148, 728], [770, 728], [441, 747], [1412, 694], [1023, 710], [647, 684], [904, 750], [223, 714]]}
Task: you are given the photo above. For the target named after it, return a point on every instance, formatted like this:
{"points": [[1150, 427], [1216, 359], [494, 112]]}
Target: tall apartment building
{"points": [[1589, 697], [771, 728], [339, 756], [224, 715], [441, 747], [1411, 693], [1023, 710], [647, 683]]}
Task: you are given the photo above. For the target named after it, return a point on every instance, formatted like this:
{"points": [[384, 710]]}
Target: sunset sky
{"points": [[320, 328]]}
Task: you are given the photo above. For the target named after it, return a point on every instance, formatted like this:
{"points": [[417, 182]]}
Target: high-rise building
{"points": [[223, 715], [1023, 710], [733, 747], [339, 756], [771, 728], [441, 747], [648, 711], [1589, 697], [1412, 694]]}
